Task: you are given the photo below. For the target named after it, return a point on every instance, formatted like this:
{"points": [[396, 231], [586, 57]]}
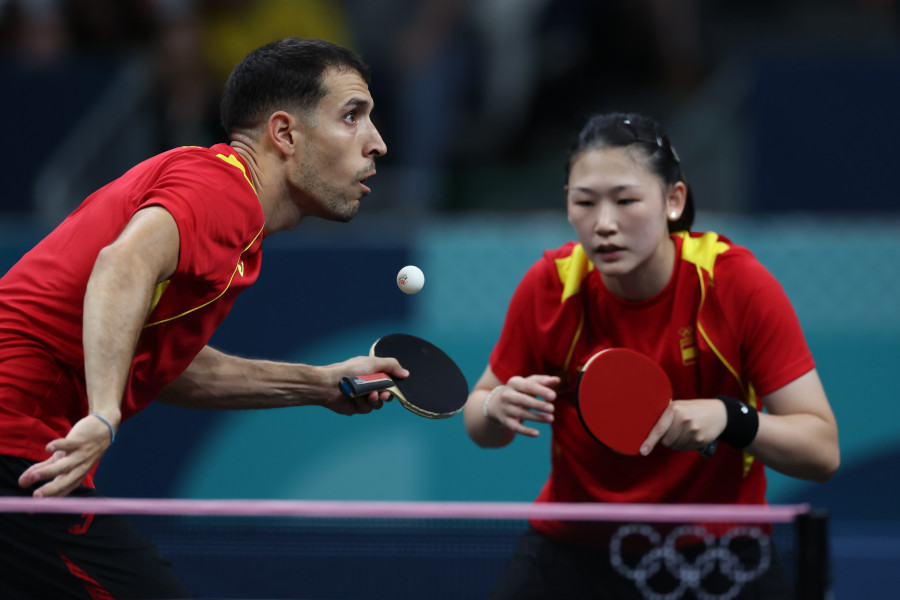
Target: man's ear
{"points": [[281, 129]]}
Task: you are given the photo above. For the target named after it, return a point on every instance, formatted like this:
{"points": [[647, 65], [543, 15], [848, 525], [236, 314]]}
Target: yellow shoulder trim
{"points": [[572, 270], [702, 251], [238, 268], [231, 159]]}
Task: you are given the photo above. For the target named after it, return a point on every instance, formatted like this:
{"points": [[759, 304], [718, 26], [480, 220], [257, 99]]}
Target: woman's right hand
{"points": [[522, 399]]}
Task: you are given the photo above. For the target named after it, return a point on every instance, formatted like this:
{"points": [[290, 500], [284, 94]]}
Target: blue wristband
{"points": [[112, 432]]}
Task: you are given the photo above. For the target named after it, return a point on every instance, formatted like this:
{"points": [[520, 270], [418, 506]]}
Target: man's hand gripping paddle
{"points": [[436, 388]]}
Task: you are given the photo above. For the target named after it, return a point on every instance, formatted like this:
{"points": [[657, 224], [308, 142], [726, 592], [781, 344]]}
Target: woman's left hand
{"points": [[687, 425]]}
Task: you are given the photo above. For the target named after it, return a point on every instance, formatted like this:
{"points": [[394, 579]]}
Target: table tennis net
{"points": [[383, 550]]}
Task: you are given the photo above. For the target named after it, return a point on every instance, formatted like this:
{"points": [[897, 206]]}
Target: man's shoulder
{"points": [[216, 169]]}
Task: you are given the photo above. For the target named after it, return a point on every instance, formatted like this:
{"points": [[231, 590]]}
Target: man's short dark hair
{"points": [[283, 75]]}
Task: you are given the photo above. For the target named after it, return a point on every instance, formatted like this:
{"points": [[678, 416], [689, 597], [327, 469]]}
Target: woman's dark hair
{"points": [[283, 75], [616, 130]]}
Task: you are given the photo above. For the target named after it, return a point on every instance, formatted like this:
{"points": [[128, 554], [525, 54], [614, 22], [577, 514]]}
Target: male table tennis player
{"points": [[115, 307]]}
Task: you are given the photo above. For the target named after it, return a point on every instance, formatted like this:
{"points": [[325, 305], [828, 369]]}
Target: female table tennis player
{"points": [[702, 307]]}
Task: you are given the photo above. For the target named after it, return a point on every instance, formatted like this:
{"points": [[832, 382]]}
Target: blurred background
{"points": [[783, 113]]}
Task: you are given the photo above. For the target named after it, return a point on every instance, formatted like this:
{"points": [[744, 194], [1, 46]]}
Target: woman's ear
{"points": [[675, 200]]}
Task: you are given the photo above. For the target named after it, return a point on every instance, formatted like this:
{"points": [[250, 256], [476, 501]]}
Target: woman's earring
{"points": [[673, 214]]}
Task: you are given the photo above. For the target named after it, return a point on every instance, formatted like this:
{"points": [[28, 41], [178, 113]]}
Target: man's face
{"points": [[340, 146]]}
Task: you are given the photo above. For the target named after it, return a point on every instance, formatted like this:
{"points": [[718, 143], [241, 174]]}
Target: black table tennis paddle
{"points": [[436, 387]]}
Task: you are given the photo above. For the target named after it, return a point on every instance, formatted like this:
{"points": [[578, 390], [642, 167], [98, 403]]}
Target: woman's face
{"points": [[620, 211]]}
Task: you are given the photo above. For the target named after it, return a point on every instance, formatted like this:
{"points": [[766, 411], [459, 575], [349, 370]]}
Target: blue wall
{"points": [[325, 296]]}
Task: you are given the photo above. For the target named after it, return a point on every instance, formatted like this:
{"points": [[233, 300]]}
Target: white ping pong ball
{"points": [[410, 279]]}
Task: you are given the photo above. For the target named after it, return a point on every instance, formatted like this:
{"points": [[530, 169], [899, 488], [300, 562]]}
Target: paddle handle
{"points": [[708, 450], [360, 385]]}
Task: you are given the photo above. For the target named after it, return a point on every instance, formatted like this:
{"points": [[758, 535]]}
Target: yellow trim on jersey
{"points": [[702, 252], [752, 401], [239, 267], [575, 339], [706, 337], [231, 159], [572, 270], [157, 294]]}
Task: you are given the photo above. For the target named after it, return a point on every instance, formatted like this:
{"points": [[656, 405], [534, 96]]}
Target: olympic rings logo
{"points": [[666, 561]]}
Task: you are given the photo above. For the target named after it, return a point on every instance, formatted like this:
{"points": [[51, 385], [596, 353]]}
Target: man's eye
{"points": [[350, 117], [626, 201]]}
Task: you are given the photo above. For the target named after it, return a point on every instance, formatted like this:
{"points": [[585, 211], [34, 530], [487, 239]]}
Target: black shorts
{"points": [[544, 569], [52, 556]]}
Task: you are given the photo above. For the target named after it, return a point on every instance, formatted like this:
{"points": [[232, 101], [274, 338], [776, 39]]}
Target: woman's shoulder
{"points": [[561, 252], [559, 268], [567, 264], [731, 267], [711, 250]]}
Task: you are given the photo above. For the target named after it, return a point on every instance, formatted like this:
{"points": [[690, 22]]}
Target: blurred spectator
{"points": [[463, 86], [547, 61], [423, 61], [49, 82], [34, 34], [110, 26], [231, 27], [184, 91], [200, 42]]}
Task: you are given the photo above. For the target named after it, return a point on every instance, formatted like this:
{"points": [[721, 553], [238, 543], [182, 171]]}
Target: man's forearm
{"points": [[216, 380], [116, 302], [115, 306]]}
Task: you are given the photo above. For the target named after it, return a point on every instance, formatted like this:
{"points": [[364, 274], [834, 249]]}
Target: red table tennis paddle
{"points": [[436, 388], [621, 395]]}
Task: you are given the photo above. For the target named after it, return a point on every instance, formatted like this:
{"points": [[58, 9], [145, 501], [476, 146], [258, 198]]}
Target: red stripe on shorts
{"points": [[97, 591]]}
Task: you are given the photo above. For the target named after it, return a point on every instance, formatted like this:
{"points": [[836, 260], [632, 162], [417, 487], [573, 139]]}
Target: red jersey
{"points": [[722, 326], [220, 226]]}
